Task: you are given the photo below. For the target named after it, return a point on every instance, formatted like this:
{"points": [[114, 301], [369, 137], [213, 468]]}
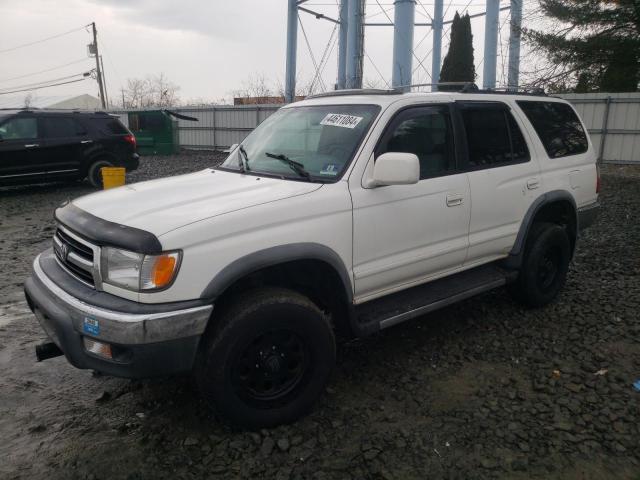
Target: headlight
{"points": [[138, 272]]}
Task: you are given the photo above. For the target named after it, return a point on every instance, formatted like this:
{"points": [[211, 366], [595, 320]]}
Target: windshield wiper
{"points": [[295, 166], [243, 160]]}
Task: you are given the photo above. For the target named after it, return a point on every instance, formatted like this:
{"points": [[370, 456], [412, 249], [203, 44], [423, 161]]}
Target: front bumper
{"points": [[162, 340]]}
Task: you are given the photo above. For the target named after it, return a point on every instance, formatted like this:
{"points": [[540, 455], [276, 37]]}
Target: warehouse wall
{"points": [[613, 121]]}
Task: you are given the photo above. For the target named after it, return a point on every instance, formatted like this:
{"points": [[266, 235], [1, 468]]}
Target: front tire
{"points": [[544, 267], [267, 359]]}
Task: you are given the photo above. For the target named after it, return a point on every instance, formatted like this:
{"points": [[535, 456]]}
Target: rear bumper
{"points": [[587, 215], [162, 341], [132, 163]]}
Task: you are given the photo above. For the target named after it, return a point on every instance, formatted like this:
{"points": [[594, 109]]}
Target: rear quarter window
{"points": [[109, 126], [557, 126]]}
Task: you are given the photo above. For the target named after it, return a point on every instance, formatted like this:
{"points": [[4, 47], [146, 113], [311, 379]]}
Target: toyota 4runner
{"points": [[346, 213]]}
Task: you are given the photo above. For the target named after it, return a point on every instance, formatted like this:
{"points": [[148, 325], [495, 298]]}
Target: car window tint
{"points": [[493, 137], [110, 126], [558, 127], [520, 152], [19, 129], [61, 127], [427, 133]]}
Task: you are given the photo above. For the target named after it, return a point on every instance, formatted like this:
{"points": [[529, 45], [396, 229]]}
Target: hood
{"points": [[159, 206]]}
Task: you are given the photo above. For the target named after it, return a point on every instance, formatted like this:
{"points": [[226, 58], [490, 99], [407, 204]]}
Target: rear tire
{"points": [[93, 173], [267, 359], [544, 267]]}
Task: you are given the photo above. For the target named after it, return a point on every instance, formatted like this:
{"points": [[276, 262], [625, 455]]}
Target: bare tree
{"points": [[152, 91]]}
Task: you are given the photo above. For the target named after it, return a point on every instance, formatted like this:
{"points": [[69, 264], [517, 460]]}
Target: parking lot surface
{"points": [[482, 389]]}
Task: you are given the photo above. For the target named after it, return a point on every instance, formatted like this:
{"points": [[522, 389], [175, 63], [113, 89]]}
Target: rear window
{"points": [[558, 127], [110, 126]]}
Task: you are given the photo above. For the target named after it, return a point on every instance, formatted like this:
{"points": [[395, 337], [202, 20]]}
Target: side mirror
{"points": [[231, 148], [396, 168]]}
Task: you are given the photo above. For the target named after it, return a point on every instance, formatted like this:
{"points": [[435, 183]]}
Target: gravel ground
{"points": [[483, 389]]}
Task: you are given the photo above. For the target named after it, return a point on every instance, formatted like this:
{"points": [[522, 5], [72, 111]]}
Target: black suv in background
{"points": [[51, 145]]}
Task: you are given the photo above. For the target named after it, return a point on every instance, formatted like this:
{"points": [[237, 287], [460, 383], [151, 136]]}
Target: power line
{"points": [[42, 40], [324, 58], [45, 86], [43, 71], [86, 74], [313, 58]]}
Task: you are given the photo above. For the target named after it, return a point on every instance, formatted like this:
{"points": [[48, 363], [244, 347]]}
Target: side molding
{"points": [[274, 256]]}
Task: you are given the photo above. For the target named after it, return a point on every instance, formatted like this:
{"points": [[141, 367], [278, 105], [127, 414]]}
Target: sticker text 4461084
{"points": [[341, 120]]}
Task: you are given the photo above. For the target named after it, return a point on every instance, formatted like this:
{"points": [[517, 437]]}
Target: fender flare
{"points": [[515, 255], [273, 256]]}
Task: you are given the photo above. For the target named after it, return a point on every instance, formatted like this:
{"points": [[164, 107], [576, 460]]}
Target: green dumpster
{"points": [[156, 131]]}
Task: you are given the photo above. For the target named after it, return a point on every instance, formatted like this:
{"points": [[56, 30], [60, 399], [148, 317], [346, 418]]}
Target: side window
{"points": [[112, 126], [19, 129], [61, 127], [426, 132], [493, 136], [558, 127]]}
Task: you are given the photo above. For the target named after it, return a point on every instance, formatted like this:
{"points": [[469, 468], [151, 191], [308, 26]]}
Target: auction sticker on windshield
{"points": [[341, 120]]}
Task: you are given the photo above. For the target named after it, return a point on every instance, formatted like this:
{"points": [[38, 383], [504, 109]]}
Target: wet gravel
{"points": [[482, 389]]}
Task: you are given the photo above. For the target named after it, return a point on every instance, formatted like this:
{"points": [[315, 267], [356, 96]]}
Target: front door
{"points": [[405, 235]]}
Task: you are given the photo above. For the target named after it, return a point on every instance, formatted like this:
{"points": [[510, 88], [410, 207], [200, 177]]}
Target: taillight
{"points": [[130, 139], [597, 179]]}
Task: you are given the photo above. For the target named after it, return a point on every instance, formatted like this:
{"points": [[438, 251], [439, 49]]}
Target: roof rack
{"points": [[465, 87], [355, 91]]}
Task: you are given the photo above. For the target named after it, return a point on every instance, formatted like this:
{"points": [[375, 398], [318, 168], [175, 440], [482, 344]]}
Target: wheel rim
{"points": [[548, 268], [270, 366]]}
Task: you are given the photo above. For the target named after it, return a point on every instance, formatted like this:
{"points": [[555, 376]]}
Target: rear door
{"points": [[19, 144], [504, 177], [65, 139]]}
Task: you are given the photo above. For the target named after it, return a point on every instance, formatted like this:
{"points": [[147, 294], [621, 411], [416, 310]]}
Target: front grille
{"points": [[74, 255]]}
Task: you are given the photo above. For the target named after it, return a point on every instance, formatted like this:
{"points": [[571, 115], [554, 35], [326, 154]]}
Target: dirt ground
{"points": [[483, 389]]}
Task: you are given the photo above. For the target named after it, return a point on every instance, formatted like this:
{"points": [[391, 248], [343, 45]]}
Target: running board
{"points": [[398, 307]]}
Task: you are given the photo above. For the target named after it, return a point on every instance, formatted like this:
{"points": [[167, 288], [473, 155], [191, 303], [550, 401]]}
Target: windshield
{"points": [[313, 143]]}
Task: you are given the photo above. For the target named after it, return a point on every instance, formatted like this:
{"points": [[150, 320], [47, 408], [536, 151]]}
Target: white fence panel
{"points": [[614, 116]]}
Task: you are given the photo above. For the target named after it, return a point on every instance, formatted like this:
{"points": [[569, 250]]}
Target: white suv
{"points": [[345, 213]]}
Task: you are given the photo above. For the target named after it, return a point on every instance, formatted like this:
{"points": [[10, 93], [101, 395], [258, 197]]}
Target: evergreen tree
{"points": [[458, 63], [597, 43]]}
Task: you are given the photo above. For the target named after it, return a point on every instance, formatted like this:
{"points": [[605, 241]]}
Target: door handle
{"points": [[533, 183], [31, 145], [86, 141], [454, 200]]}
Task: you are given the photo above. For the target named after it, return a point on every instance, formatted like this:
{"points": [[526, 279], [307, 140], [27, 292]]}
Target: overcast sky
{"points": [[207, 47]]}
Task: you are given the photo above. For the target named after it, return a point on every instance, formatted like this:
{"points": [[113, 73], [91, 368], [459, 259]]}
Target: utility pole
{"points": [[98, 68], [436, 54], [342, 44], [514, 44], [122, 90], [292, 46], [404, 18], [490, 43], [104, 81]]}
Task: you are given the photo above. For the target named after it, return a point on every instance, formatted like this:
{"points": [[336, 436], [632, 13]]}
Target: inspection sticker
{"points": [[91, 326], [341, 120]]}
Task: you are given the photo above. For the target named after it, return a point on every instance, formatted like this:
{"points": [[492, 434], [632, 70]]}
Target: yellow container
{"points": [[112, 177]]}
